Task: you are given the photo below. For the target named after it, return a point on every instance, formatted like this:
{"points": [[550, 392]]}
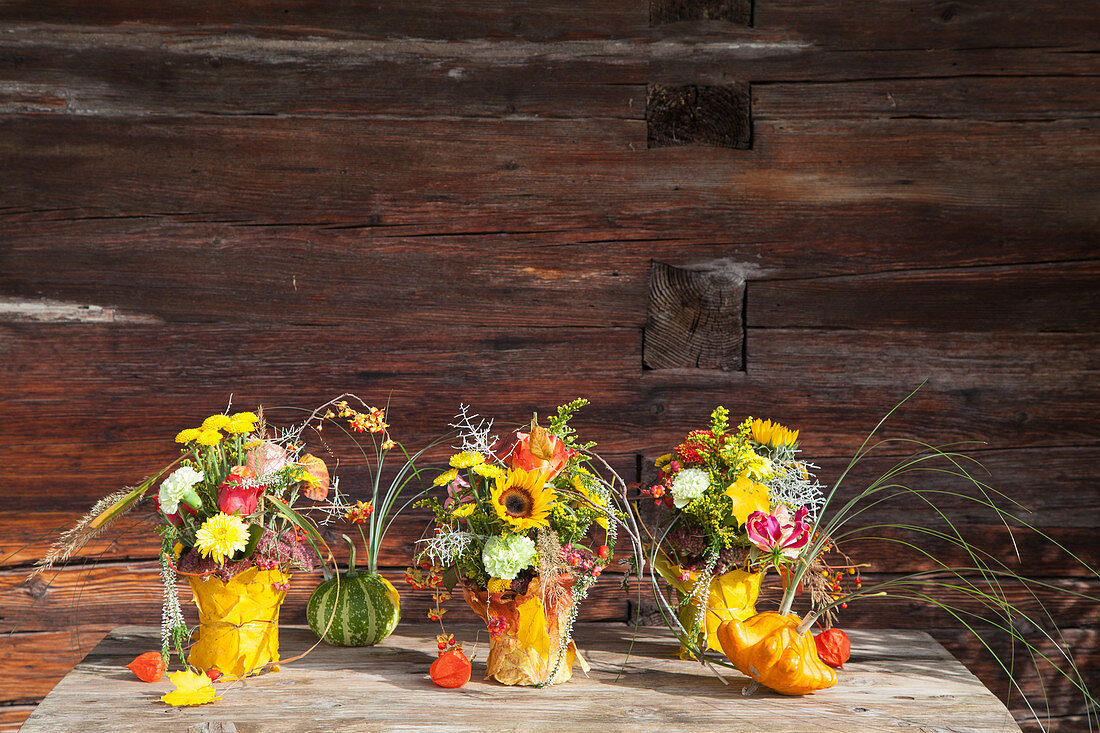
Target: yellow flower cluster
{"points": [[488, 470], [467, 459], [445, 478], [210, 432]]}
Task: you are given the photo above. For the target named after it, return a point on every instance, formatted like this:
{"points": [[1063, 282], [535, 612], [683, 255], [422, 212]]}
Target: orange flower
{"points": [[358, 514], [539, 451]]}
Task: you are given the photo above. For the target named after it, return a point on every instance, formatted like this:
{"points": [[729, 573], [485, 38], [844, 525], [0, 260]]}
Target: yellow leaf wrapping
{"points": [[525, 651], [532, 627], [732, 596], [192, 688], [238, 622]]}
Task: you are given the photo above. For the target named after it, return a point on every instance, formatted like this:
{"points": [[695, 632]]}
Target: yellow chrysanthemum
{"points": [[209, 437], [488, 470], [221, 536], [188, 435], [445, 478], [499, 585], [466, 459], [463, 510], [758, 468], [772, 434], [215, 422], [522, 499], [239, 426], [246, 416]]}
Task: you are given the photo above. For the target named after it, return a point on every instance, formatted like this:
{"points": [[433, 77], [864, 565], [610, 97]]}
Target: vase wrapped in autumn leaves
{"points": [[238, 621], [229, 525], [529, 635], [517, 530], [707, 493]]}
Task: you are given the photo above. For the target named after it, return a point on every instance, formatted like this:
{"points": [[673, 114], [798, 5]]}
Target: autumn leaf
{"points": [[532, 627], [192, 688]]}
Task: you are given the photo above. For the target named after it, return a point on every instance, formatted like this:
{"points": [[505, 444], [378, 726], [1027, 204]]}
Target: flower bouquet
{"points": [[711, 492], [228, 523], [514, 532], [748, 502]]}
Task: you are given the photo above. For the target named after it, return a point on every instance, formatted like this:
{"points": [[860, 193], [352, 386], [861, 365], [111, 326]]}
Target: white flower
{"points": [[689, 485], [505, 556], [176, 487]]}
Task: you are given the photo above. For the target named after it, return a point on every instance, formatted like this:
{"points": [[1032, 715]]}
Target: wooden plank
{"points": [[975, 391], [1059, 297], [925, 24], [39, 661], [108, 261], [126, 73], [480, 175], [976, 98], [286, 18], [663, 691], [111, 72], [12, 717]]}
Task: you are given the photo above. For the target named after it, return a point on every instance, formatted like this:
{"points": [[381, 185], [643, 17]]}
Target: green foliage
{"points": [[719, 420], [559, 425]]}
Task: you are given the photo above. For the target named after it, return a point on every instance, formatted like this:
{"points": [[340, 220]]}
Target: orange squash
{"points": [[768, 648]]}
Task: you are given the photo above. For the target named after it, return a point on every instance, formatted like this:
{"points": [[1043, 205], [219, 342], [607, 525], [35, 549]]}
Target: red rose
{"points": [[239, 492]]}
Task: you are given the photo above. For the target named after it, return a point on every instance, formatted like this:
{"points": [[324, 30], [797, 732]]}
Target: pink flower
{"points": [[779, 533], [455, 490], [266, 459]]}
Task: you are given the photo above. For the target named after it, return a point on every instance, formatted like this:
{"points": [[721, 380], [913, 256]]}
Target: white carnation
{"points": [[505, 556], [180, 484], [689, 485]]}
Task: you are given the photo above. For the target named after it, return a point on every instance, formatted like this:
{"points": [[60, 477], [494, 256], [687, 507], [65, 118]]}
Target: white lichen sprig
{"points": [[446, 545], [475, 437], [794, 485]]}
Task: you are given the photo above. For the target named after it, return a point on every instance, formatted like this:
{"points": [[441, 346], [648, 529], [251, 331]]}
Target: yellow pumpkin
{"points": [[768, 648]]}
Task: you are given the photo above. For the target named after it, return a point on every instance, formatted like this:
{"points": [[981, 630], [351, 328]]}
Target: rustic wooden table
{"points": [[897, 680]]}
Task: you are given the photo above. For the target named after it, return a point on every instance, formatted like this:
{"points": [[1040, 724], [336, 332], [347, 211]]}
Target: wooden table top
{"points": [[897, 680]]}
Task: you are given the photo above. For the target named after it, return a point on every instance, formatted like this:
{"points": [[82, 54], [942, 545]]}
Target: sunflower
{"points": [[772, 434], [522, 499]]}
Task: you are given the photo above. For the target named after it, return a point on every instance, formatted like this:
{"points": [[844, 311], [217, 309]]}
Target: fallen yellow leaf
{"points": [[192, 688]]}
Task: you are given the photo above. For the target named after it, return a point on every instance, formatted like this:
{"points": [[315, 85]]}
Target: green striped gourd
{"points": [[364, 611]]}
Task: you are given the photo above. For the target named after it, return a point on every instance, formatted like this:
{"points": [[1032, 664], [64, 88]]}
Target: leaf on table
{"points": [[192, 688]]}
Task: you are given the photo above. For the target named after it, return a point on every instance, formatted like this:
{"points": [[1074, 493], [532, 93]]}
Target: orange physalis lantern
{"points": [[452, 669], [833, 647], [148, 667]]}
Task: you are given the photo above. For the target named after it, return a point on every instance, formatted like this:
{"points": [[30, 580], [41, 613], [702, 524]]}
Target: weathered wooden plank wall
{"points": [[453, 202]]}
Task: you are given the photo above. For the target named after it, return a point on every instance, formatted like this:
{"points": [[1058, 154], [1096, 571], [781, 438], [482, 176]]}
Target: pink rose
{"points": [[266, 458]]}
